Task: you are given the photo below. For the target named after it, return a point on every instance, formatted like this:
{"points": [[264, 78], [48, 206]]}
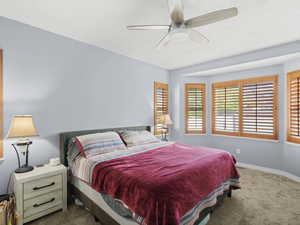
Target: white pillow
{"points": [[133, 138]]}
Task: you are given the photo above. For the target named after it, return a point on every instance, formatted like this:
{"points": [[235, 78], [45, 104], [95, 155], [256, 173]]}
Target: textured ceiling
{"points": [[260, 24]]}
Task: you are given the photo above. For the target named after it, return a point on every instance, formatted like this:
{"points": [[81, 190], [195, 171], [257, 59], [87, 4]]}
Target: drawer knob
{"points": [[40, 204], [41, 187]]}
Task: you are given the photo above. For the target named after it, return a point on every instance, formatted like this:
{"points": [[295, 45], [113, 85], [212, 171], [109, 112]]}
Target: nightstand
{"points": [[40, 192]]}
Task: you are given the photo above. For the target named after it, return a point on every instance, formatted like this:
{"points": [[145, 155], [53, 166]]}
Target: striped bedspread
{"points": [[84, 169]]}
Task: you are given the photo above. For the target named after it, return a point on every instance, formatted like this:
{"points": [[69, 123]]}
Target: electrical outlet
{"points": [[238, 151]]}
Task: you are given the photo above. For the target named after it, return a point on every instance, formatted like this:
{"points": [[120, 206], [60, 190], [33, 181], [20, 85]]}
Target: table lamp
{"points": [[22, 127], [165, 120]]}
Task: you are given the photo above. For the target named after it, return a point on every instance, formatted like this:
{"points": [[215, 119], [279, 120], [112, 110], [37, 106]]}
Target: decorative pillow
{"points": [[133, 138], [99, 143]]}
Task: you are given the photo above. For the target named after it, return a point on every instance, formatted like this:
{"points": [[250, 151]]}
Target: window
{"points": [[293, 134], [195, 108], [260, 107], [1, 103], [247, 108], [226, 108], [161, 105]]}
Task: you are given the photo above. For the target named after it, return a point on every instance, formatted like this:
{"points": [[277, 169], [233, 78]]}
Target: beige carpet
{"points": [[265, 199]]}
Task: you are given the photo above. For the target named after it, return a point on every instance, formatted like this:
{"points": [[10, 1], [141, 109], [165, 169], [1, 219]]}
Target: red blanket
{"points": [[162, 184]]}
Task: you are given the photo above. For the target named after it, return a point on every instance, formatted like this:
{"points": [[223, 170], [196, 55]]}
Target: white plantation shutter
{"points": [[226, 108], [247, 108], [259, 107], [293, 134], [195, 108], [161, 105]]}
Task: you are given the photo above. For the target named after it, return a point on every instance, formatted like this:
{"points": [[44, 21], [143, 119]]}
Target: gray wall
{"points": [[273, 154], [68, 85]]}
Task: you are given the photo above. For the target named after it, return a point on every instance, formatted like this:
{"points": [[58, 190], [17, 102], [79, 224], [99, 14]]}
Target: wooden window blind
{"points": [[293, 133], [161, 105], [226, 108], [247, 108], [195, 109], [1, 103], [259, 107]]}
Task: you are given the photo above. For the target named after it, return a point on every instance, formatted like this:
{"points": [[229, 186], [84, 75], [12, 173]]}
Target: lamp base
{"points": [[24, 169]]}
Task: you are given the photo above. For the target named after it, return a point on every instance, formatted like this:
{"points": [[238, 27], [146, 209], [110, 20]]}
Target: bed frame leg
{"points": [[96, 219], [229, 193]]}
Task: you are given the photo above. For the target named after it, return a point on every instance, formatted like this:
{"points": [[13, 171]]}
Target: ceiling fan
{"points": [[181, 29]]}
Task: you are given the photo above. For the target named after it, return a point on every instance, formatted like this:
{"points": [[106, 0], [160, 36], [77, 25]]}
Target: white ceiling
{"points": [[260, 24]]}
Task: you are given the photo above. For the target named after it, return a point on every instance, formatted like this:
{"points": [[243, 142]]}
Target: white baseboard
{"points": [[269, 170]]}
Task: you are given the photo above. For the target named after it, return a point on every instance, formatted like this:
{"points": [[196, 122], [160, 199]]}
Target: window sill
{"points": [[292, 143], [247, 138], [185, 134]]}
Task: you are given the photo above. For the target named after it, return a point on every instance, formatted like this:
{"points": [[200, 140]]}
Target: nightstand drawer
{"points": [[42, 186], [41, 203]]}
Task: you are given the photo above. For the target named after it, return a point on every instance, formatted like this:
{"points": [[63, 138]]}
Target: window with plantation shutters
{"points": [[293, 134], [226, 108], [259, 107], [161, 105], [247, 108], [195, 108]]}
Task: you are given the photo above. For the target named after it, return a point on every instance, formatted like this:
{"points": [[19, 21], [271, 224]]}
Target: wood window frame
{"points": [[201, 86], [1, 104], [291, 76], [165, 86], [240, 84]]}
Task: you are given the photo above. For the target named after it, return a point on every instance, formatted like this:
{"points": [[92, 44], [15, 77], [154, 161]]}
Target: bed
{"points": [[98, 203]]}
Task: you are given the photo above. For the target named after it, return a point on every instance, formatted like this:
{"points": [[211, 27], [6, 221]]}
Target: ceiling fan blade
{"points": [[148, 27], [164, 41], [176, 11], [212, 17], [197, 37]]}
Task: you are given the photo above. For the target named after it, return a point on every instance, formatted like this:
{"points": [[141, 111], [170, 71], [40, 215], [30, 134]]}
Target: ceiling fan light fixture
{"points": [[181, 30], [180, 35]]}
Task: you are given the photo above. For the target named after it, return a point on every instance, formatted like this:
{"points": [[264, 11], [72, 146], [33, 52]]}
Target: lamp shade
{"points": [[22, 126], [166, 119]]}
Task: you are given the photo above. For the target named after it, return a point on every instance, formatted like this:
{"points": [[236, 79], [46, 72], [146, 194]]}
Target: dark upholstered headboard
{"points": [[67, 136]]}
